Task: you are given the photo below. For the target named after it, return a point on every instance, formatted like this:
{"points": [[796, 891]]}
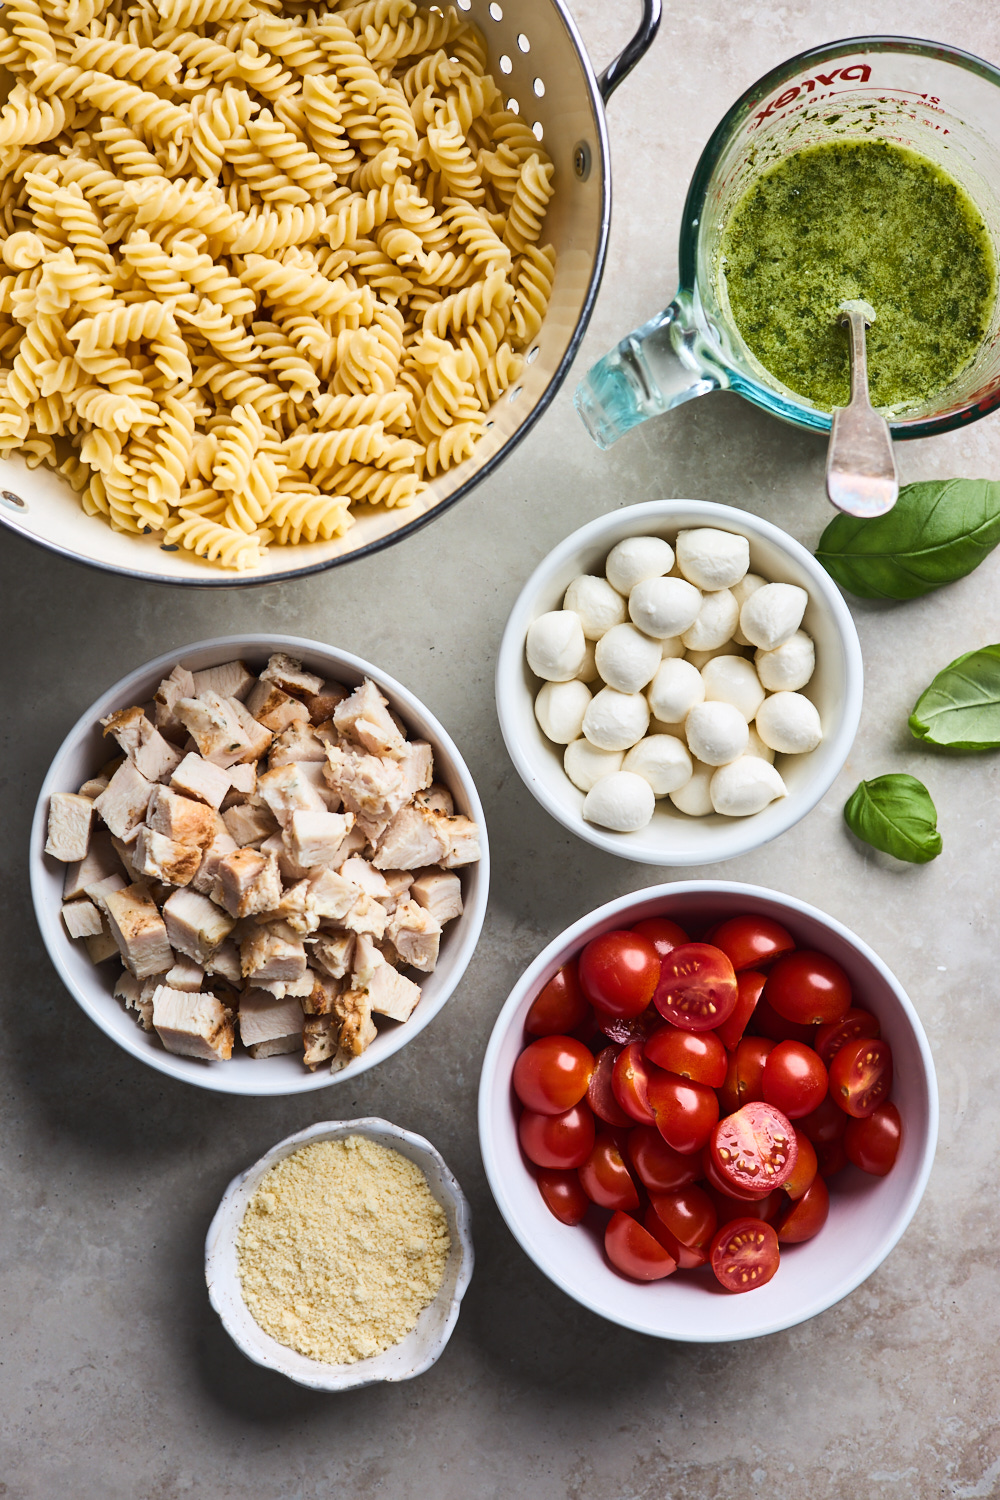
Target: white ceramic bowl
{"points": [[92, 986], [422, 1347], [867, 1214], [836, 687]]}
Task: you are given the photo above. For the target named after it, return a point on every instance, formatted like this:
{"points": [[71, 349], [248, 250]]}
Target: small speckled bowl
{"points": [[422, 1347]]}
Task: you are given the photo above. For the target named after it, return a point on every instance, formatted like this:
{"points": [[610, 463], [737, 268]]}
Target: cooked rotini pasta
{"points": [[258, 269]]}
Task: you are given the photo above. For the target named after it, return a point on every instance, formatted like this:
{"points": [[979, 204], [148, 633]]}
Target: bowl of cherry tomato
{"points": [[704, 1090]]}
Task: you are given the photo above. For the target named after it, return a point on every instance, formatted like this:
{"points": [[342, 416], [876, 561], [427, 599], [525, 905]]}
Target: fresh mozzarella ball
{"points": [[662, 760], [758, 748], [597, 603], [616, 721], [712, 559], [584, 764], [622, 802], [672, 646], [694, 797], [773, 614], [588, 672], [717, 619], [716, 733], [675, 690], [790, 723], [555, 645], [559, 709], [741, 592], [636, 559], [788, 667], [664, 606], [733, 679], [700, 659], [627, 659], [745, 786]]}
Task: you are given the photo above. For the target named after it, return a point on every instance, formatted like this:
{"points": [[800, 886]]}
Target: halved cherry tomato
{"points": [[832, 1157], [633, 1250], [748, 989], [745, 1075], [754, 1148], [684, 1223], [806, 1217], [728, 1208], [765, 1021], [826, 1124], [697, 989], [605, 1178], [750, 942], [744, 1254], [658, 1166], [861, 1076], [634, 1029], [560, 1007], [600, 1091], [873, 1143], [857, 1023], [808, 988], [684, 1112], [794, 1079], [557, 1140], [662, 933], [552, 1074], [698, 1055], [563, 1195], [714, 1180], [805, 1169], [630, 1081], [618, 973]]}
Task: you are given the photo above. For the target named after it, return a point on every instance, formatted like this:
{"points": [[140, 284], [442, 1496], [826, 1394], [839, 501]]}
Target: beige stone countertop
{"points": [[116, 1379]]}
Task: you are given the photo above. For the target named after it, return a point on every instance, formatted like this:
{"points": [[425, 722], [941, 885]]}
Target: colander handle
{"points": [[617, 71]]}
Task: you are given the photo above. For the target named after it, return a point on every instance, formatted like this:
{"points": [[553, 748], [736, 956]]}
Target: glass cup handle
{"points": [[616, 72]]}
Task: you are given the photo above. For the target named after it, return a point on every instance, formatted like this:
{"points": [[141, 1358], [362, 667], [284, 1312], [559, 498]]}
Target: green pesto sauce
{"points": [[860, 219]]}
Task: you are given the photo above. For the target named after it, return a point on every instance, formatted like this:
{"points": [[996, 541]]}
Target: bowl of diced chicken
{"points": [[259, 864]]}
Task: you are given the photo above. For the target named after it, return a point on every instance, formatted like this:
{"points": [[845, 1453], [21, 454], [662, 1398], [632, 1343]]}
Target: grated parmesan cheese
{"points": [[341, 1248]]}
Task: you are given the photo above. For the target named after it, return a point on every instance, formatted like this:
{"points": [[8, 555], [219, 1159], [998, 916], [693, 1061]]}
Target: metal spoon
{"points": [[860, 466]]}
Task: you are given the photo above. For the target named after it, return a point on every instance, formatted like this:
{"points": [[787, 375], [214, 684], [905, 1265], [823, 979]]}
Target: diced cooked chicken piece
{"points": [[244, 777], [392, 994], [334, 953], [358, 1030], [416, 936], [160, 858], [273, 708], [274, 848], [125, 848], [366, 916], [131, 991], [292, 909], [299, 742], [221, 845], [290, 675], [233, 679], [364, 718], [461, 836], [300, 988], [259, 736], [367, 958], [180, 684], [152, 755], [123, 803], [101, 947], [321, 704], [364, 875], [185, 975], [398, 883], [411, 840], [247, 882], [316, 838], [319, 1001], [321, 1039], [369, 785], [93, 787], [193, 1025], [268, 1026], [417, 767], [225, 962], [98, 890], [437, 797], [215, 728], [183, 819], [314, 772], [287, 790], [248, 824], [439, 892], [82, 919], [139, 931], [195, 925], [99, 862], [199, 779], [273, 953], [70, 817]]}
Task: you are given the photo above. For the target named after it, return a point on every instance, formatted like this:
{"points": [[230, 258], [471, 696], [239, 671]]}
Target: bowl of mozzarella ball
{"points": [[679, 682]]}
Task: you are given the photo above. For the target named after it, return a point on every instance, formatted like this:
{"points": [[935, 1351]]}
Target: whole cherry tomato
{"points": [[873, 1142], [552, 1074], [618, 973], [697, 1055], [751, 942], [633, 1250], [749, 985], [861, 1076], [754, 1148], [560, 1007], [697, 989], [808, 988], [744, 1081], [857, 1023], [630, 1081], [605, 1178], [805, 1169], [826, 1124], [683, 1222], [662, 933], [601, 1093], [658, 1166], [744, 1254], [557, 1140], [765, 1021], [563, 1195], [684, 1112], [794, 1079], [806, 1217]]}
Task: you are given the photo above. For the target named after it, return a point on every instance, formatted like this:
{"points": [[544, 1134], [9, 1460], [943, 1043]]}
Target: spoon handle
{"points": [[860, 465]]}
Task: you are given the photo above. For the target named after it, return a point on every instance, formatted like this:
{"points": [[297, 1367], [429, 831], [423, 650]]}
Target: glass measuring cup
{"points": [[934, 99]]}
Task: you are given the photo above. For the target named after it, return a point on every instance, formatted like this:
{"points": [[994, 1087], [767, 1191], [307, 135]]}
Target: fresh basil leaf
{"points": [[938, 531], [961, 708], [895, 813]]}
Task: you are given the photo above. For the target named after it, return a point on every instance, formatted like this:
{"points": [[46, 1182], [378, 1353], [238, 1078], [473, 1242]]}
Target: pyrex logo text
{"points": [[857, 72]]}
